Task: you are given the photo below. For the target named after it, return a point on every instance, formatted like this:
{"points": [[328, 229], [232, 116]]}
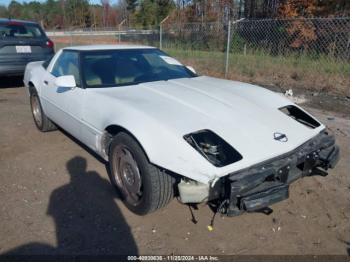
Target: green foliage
{"points": [[77, 12], [3, 11], [15, 9], [32, 11], [164, 8], [52, 13], [146, 15], [237, 43], [80, 13], [152, 12], [131, 5]]}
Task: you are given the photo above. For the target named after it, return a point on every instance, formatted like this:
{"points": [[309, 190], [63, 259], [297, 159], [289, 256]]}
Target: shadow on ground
{"points": [[86, 217], [11, 81]]}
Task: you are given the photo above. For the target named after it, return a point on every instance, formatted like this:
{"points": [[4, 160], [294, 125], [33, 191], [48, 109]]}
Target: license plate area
{"points": [[23, 49], [264, 199]]}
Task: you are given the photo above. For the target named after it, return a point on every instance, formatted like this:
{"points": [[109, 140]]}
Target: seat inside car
{"points": [[101, 72], [110, 71], [127, 69]]}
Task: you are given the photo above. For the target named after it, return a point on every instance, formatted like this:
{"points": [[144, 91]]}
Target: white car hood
{"points": [[244, 115]]}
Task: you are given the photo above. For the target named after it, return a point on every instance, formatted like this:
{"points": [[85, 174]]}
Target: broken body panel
{"points": [[259, 186], [264, 184]]}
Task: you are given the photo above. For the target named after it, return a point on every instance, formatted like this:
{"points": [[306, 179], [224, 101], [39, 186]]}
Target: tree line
{"points": [[59, 14]]}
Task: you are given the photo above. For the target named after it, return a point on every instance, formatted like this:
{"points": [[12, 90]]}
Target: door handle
{"points": [[46, 82]]}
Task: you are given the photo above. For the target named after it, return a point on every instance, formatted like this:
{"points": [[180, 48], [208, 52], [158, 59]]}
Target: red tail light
{"points": [[49, 43], [14, 23]]}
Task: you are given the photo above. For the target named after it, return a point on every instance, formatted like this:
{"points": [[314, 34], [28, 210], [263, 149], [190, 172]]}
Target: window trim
{"points": [[82, 77], [48, 61], [54, 61]]}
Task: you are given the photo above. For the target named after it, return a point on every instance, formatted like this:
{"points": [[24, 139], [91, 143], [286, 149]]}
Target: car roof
{"points": [[7, 20], [106, 47]]}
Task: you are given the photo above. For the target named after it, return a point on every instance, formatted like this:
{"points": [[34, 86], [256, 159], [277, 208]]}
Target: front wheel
{"points": [[144, 188], [42, 122]]}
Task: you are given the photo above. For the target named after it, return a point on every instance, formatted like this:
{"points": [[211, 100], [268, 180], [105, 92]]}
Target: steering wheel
{"points": [[149, 75]]}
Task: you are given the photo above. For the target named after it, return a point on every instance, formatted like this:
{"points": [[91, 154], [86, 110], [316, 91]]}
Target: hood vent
{"points": [[213, 148], [300, 116]]}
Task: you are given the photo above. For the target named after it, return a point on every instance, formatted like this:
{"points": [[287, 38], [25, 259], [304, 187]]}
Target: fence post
{"points": [[161, 32], [119, 29], [229, 43], [71, 38], [228, 47], [160, 36]]}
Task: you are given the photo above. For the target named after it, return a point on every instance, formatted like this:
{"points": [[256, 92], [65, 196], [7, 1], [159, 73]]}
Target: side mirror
{"points": [[191, 69], [66, 81]]}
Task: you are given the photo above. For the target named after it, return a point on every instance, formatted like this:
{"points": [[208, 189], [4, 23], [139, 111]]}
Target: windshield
{"points": [[19, 30], [109, 68]]}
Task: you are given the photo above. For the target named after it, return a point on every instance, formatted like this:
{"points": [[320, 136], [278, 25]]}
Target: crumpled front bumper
{"points": [[262, 185]]}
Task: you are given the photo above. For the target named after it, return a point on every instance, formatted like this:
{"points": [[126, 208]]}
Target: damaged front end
{"points": [[258, 187]]}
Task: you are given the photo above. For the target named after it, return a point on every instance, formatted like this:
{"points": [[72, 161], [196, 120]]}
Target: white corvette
{"points": [[166, 131]]}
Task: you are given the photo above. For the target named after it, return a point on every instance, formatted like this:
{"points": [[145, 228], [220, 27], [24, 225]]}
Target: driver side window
{"points": [[67, 64]]}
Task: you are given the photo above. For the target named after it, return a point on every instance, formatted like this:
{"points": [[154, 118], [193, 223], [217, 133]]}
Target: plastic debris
{"points": [[289, 92]]}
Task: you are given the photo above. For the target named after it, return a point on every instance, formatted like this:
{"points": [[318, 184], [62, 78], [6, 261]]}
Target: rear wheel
{"points": [[42, 122], [144, 188]]}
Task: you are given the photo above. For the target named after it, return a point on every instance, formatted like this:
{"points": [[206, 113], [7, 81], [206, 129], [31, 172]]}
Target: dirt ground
{"points": [[55, 198]]}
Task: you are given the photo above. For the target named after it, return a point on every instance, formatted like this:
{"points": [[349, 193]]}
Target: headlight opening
{"points": [[216, 150]]}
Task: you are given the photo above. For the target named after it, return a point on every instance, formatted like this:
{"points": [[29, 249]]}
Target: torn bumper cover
{"points": [[262, 185]]}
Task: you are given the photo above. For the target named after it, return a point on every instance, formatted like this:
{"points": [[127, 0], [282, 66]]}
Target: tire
{"points": [[128, 164], [42, 122]]}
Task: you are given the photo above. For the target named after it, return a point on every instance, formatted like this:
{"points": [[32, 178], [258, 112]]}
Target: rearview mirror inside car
{"points": [[67, 81]]}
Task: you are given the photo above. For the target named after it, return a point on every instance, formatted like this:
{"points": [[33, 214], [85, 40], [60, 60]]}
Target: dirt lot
{"points": [[55, 198]]}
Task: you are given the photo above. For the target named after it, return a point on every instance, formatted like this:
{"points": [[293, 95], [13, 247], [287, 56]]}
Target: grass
{"points": [[315, 74]]}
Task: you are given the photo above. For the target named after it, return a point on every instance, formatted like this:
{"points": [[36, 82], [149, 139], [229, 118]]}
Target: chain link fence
{"points": [[91, 36], [302, 53], [311, 54], [201, 45]]}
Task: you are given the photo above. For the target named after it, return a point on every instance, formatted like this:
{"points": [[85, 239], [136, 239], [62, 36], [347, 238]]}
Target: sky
{"points": [[6, 2]]}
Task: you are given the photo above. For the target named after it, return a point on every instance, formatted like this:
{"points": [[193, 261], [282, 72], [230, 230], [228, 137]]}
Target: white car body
{"points": [[159, 114], [233, 144]]}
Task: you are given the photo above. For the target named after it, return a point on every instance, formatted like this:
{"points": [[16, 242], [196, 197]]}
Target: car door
{"points": [[64, 105]]}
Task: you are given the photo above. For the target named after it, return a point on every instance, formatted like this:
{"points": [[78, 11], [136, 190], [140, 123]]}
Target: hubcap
{"points": [[36, 109], [127, 175]]}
